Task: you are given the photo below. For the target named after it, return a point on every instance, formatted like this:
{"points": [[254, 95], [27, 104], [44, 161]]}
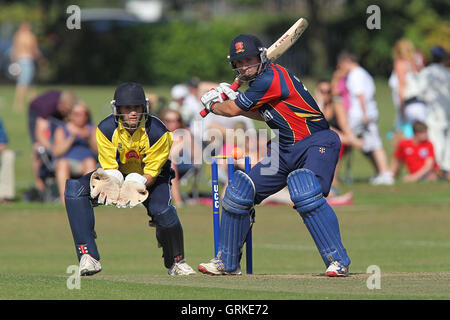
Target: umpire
{"points": [[133, 149]]}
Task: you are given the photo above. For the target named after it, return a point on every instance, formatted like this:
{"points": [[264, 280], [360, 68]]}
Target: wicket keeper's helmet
{"points": [[245, 46], [129, 94]]}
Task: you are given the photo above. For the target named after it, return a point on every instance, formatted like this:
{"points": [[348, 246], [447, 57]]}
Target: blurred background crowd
{"points": [[180, 47]]}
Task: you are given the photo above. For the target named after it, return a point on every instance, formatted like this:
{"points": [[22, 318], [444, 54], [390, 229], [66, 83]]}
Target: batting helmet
{"points": [[129, 94], [245, 46]]}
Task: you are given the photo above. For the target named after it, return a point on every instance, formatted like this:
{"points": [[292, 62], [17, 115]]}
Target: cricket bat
{"points": [[276, 50]]}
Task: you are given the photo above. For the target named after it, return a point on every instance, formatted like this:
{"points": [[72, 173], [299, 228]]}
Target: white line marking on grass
{"points": [[277, 246], [426, 243]]}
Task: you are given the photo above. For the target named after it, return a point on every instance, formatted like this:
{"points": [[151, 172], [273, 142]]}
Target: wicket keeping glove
{"points": [[225, 89], [210, 98], [133, 191], [105, 184]]}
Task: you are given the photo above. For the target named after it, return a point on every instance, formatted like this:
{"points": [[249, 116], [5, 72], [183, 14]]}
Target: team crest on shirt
{"points": [[239, 46], [132, 154], [423, 153], [322, 150]]}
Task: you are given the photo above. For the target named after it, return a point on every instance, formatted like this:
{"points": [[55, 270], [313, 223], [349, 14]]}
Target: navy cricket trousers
{"points": [[318, 152]]}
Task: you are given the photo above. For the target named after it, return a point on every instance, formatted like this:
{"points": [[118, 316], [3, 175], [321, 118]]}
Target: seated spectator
{"points": [[181, 151], [186, 102], [74, 147], [7, 161], [156, 103], [336, 115], [339, 89], [45, 113], [417, 154], [433, 83]]}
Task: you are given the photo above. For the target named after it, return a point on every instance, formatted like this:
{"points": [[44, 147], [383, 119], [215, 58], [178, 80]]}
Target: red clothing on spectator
{"points": [[414, 155]]}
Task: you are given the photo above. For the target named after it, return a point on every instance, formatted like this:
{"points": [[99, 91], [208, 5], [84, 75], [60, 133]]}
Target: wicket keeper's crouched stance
{"points": [[308, 153], [133, 149]]}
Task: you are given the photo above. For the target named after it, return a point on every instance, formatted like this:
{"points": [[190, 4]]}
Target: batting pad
{"points": [[319, 218], [235, 219], [81, 217]]}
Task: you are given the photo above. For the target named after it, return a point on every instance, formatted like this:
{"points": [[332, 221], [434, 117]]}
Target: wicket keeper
{"points": [[133, 149], [308, 153]]}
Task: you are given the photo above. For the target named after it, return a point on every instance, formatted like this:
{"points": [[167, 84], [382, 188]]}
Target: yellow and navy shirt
{"points": [[144, 152]]}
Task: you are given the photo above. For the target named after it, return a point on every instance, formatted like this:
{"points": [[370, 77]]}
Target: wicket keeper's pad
{"points": [[319, 218], [235, 220], [81, 216], [169, 234]]}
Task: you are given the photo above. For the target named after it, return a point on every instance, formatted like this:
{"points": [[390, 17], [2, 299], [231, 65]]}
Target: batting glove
{"points": [[105, 184], [210, 98], [133, 191], [227, 91]]}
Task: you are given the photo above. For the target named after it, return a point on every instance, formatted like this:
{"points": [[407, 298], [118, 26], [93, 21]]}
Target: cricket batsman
{"points": [[133, 151], [308, 153]]}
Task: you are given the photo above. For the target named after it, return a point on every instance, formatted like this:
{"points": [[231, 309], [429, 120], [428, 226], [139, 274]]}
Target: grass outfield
{"points": [[402, 229], [406, 238]]}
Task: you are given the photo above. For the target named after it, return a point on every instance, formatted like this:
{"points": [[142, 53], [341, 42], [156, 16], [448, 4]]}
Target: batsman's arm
{"points": [[229, 108]]}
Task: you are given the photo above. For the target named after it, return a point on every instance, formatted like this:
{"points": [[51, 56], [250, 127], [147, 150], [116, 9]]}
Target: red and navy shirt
{"points": [[285, 104]]}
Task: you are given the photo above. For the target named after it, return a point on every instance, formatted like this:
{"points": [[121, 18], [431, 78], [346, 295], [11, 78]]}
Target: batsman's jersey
{"points": [[144, 152], [285, 104]]}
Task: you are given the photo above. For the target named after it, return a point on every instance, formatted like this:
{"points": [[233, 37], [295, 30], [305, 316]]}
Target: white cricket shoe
{"points": [[89, 266], [335, 269], [215, 267], [385, 179], [181, 268]]}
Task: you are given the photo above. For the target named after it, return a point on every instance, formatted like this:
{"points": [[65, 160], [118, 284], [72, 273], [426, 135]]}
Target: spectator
{"points": [[363, 116], [187, 104], [74, 147], [336, 115], [156, 103], [409, 107], [190, 106], [417, 154], [44, 114], [339, 89], [180, 152], [198, 87], [433, 83], [24, 53], [7, 161]]}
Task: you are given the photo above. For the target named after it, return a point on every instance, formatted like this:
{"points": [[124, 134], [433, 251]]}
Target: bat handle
{"points": [[234, 86]]}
